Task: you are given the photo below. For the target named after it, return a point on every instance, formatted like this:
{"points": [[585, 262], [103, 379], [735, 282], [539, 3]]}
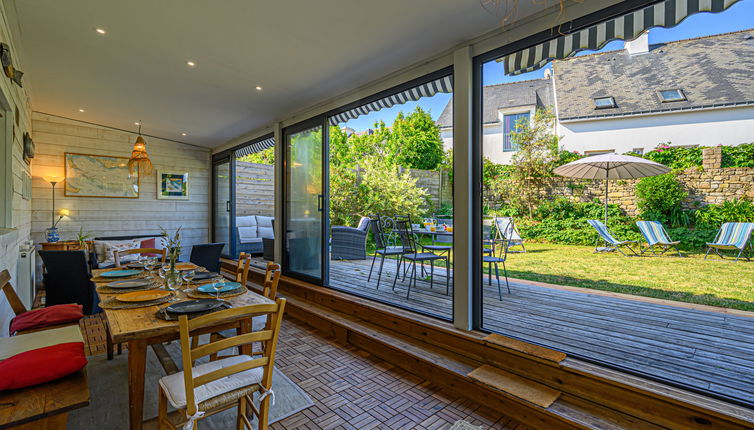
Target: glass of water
{"points": [[188, 276]]}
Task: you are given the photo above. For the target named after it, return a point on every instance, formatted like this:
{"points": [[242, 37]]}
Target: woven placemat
{"points": [[163, 313], [114, 304], [109, 290], [99, 279], [196, 294]]}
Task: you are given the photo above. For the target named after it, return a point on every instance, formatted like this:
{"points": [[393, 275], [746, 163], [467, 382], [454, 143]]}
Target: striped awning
{"points": [[441, 85], [668, 13], [257, 146]]}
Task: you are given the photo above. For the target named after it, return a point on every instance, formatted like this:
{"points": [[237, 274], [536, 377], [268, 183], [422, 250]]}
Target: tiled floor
{"points": [[353, 389]]}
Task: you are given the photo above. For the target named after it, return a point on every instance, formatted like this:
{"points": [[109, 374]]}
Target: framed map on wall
{"points": [[89, 175], [172, 185]]}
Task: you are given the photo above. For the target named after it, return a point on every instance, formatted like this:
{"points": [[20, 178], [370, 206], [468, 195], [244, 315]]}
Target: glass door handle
{"points": [[320, 202], [227, 205]]}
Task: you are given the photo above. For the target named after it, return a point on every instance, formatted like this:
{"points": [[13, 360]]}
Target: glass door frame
{"points": [[225, 157], [317, 121]]}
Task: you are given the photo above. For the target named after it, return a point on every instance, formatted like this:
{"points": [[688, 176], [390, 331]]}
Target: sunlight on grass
{"points": [[688, 279]]}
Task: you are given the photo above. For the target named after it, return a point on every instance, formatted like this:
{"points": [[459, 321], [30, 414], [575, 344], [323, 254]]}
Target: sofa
{"points": [[350, 243], [251, 229]]}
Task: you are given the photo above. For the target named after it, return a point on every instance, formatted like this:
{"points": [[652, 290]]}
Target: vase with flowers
{"points": [[173, 246]]}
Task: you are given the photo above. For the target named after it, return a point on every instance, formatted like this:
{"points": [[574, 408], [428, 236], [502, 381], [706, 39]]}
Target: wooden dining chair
{"points": [[118, 254], [205, 389], [242, 268], [271, 280]]}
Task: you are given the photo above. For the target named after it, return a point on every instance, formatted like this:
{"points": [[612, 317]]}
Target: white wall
{"points": [[55, 136], [704, 128], [19, 223]]}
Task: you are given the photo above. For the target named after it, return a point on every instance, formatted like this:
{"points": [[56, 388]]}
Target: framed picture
{"points": [[89, 175], [172, 185]]}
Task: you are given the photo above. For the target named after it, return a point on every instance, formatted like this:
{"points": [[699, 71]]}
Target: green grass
{"points": [[688, 279]]}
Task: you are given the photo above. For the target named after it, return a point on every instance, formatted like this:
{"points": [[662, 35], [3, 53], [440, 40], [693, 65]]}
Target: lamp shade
{"points": [[139, 159], [53, 179], [64, 212]]}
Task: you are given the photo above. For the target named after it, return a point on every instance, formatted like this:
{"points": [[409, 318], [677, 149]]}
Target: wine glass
{"points": [[172, 283], [148, 263], [187, 276], [217, 286]]}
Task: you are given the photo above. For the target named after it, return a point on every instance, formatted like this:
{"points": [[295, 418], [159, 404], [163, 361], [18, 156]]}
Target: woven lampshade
{"points": [[139, 160]]}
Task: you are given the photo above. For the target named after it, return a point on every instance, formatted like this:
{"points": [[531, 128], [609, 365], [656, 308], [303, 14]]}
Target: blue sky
{"points": [[740, 16]]}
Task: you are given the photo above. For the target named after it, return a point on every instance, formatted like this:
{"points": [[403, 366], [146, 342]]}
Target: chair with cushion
{"points": [[251, 231], [411, 254], [733, 236], [67, 279], [202, 390], [207, 255], [118, 255], [382, 228], [27, 321], [656, 236], [350, 243], [611, 243]]}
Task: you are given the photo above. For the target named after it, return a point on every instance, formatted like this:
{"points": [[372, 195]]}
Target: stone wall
{"points": [[707, 185]]}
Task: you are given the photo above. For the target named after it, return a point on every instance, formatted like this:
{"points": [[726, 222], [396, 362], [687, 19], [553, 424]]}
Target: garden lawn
{"points": [[689, 279]]}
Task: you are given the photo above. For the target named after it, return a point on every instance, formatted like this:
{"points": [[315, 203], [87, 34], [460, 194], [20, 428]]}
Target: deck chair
{"points": [[611, 243], [507, 233], [656, 236], [731, 237]]}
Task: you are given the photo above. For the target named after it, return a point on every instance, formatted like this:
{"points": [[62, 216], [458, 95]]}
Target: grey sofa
{"points": [[251, 229]]}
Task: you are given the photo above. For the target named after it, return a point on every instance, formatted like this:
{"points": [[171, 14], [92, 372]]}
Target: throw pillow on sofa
{"points": [[106, 248]]}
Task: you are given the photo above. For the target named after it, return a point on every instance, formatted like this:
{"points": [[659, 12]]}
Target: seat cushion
{"points": [[105, 249], [176, 390], [26, 342], [247, 234], [264, 221], [41, 365], [45, 317], [266, 232]]}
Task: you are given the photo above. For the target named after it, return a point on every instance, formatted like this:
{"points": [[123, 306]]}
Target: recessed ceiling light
{"points": [[259, 88], [190, 63], [81, 110], [183, 134], [100, 30]]}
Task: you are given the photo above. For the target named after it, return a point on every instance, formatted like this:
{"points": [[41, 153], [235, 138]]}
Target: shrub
{"points": [[675, 157], [712, 216], [377, 189], [658, 196], [738, 156]]}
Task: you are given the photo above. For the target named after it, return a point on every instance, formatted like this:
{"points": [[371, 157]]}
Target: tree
{"points": [[534, 161], [415, 141], [266, 156]]}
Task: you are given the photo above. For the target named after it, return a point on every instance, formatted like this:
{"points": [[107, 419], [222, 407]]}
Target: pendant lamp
{"points": [[139, 160]]}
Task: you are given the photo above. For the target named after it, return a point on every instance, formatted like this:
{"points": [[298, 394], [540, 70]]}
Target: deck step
{"points": [[451, 368], [499, 341], [526, 389]]}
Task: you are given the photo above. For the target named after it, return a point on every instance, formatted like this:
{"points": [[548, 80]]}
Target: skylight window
{"points": [[672, 96], [604, 103]]}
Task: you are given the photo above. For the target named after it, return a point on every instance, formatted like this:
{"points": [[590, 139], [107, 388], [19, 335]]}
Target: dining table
{"points": [[140, 327]]}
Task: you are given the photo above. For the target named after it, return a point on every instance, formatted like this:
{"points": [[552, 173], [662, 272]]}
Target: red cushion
{"points": [[149, 243], [45, 317], [41, 365]]}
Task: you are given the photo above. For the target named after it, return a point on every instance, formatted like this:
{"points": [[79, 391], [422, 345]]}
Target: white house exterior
{"points": [[710, 80]]}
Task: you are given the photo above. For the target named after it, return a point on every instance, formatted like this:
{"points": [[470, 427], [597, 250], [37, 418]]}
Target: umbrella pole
{"points": [[607, 184]]}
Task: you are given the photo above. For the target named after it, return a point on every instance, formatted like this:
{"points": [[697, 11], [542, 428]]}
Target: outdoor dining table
{"points": [[140, 327]]}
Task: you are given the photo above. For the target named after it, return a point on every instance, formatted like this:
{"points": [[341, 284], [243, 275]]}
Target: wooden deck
{"points": [[704, 350]]}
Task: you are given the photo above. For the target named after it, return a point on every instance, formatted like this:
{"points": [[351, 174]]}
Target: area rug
{"points": [[464, 425], [108, 385]]}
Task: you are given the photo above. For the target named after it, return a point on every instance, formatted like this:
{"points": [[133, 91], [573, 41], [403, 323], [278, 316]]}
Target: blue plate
{"points": [[120, 273], [227, 286]]}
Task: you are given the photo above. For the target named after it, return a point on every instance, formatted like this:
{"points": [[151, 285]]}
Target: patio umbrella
{"points": [[611, 166]]}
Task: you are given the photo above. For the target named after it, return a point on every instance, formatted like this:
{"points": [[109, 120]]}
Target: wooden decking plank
{"points": [[701, 348]]}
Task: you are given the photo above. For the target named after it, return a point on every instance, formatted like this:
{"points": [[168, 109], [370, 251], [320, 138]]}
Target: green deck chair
{"points": [[731, 237], [656, 236]]}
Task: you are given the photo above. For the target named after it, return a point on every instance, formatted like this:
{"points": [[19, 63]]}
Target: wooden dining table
{"points": [[140, 328]]}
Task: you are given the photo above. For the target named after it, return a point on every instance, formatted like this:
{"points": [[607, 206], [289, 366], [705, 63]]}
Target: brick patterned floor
{"points": [[353, 389]]}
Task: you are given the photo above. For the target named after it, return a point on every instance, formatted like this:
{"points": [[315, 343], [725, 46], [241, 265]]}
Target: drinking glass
{"points": [[217, 286], [149, 263], [172, 282], [187, 276]]}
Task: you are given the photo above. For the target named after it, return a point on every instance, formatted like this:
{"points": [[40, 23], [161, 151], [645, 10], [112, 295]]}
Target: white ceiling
{"points": [[300, 51]]}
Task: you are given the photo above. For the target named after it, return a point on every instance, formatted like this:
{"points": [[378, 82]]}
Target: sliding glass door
{"points": [[305, 209], [222, 207]]}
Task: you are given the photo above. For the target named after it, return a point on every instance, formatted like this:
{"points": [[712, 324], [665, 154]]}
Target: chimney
{"points": [[640, 45]]}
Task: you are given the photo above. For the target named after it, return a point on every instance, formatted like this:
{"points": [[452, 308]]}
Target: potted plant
{"points": [[173, 246], [83, 239]]}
